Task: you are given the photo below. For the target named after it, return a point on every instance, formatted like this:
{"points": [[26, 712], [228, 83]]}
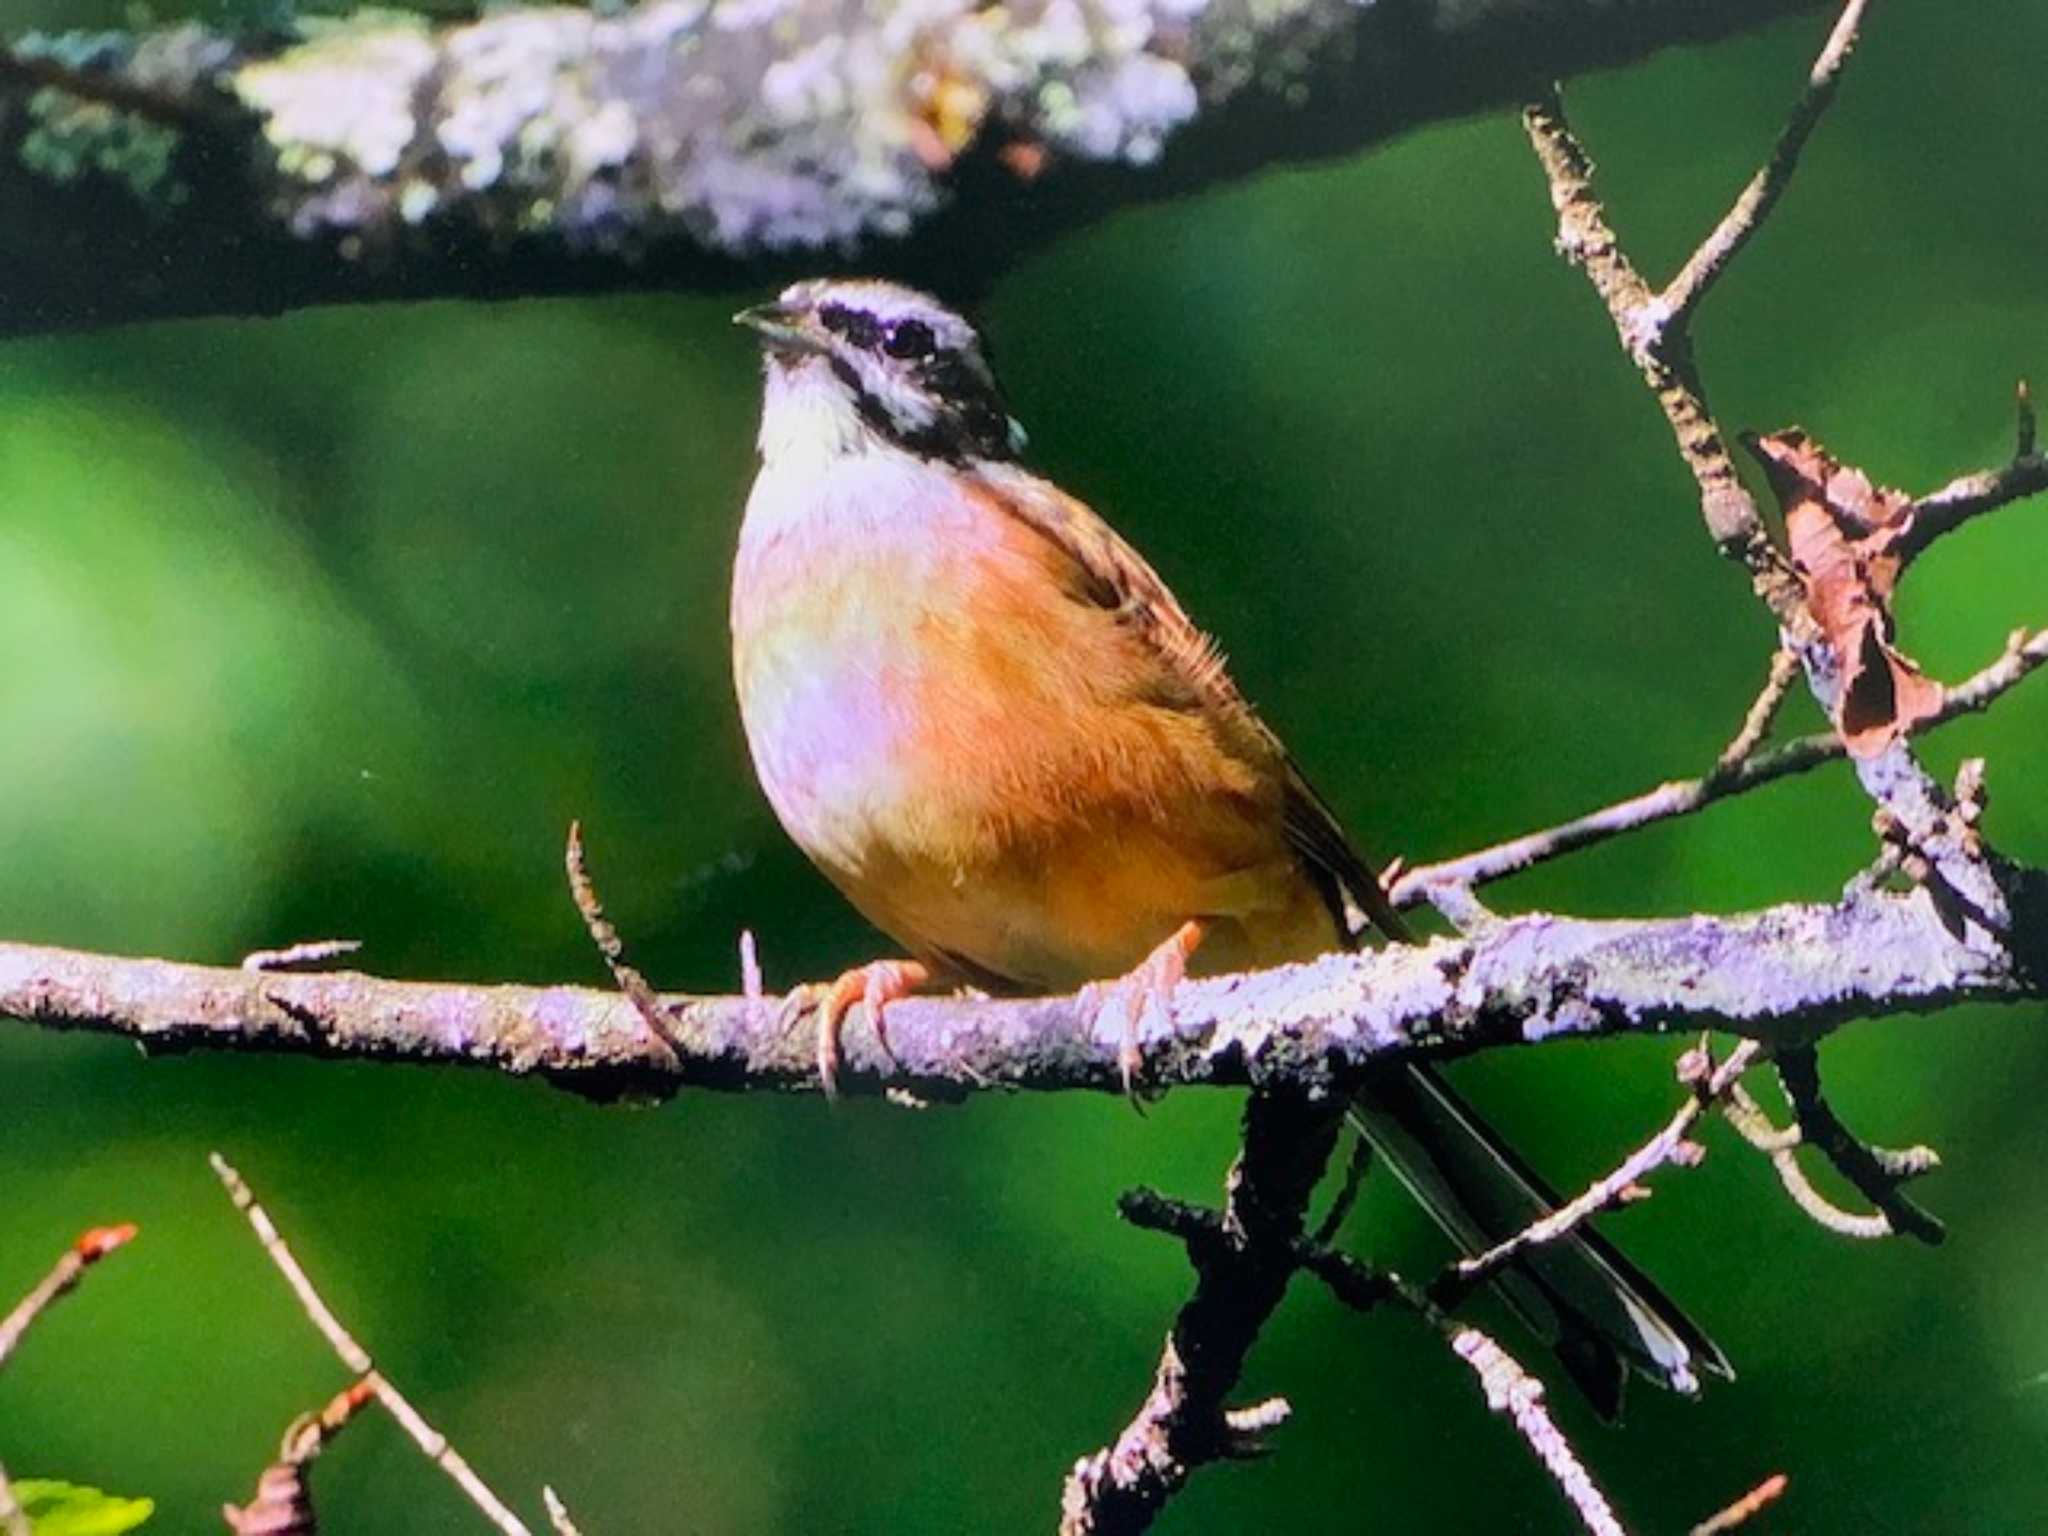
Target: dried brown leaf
{"points": [[1845, 535]]}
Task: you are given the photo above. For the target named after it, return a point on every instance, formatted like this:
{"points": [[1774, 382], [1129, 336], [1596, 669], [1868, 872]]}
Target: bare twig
{"points": [[1756, 725], [558, 1513], [1754, 1125], [310, 952], [1876, 1172], [1656, 341], [642, 996], [283, 1503], [750, 967], [430, 1440], [1683, 294], [1753, 1502], [2024, 653], [92, 1246], [1780, 1145], [1708, 1084], [1512, 1390], [1942, 512]]}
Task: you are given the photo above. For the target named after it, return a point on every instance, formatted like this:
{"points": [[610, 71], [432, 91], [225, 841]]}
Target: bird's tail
{"points": [[1604, 1317]]}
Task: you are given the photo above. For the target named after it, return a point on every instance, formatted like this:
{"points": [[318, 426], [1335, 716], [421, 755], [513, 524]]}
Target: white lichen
{"points": [[752, 124], [343, 98]]}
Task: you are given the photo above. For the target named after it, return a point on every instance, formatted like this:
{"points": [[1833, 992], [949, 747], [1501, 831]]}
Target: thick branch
{"points": [[1784, 975], [548, 150], [1242, 1266]]}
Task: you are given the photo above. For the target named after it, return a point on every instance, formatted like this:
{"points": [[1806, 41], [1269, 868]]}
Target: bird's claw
{"points": [[1150, 984], [873, 986]]}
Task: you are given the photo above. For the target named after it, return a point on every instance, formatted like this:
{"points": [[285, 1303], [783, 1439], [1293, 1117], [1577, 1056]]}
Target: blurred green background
{"points": [[329, 624]]}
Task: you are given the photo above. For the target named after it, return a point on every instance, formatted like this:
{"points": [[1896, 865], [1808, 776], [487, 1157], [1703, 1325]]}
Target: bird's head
{"points": [[857, 364]]}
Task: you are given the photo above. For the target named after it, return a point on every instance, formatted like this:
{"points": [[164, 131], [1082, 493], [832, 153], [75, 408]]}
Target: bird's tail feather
{"points": [[1604, 1317]]}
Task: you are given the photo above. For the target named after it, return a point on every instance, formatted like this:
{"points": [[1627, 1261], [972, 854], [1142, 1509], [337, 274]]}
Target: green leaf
{"points": [[66, 1509]]}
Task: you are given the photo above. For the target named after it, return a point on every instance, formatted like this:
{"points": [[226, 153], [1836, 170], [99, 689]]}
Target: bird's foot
{"points": [[1148, 985], [874, 986]]}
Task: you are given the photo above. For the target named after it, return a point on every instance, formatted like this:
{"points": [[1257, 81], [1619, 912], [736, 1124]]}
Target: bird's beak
{"points": [[779, 326]]}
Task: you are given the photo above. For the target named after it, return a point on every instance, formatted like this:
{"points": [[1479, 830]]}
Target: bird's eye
{"points": [[909, 339]]}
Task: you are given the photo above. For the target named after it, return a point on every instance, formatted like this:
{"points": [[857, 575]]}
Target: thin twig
{"points": [[1708, 1084], [1512, 1390], [1753, 1502], [750, 967], [1656, 341], [1509, 1387], [430, 1440], [558, 1513], [1683, 294], [1756, 725], [2024, 653], [642, 996], [308, 952], [1875, 1172], [91, 1246], [1781, 1145], [283, 1501], [1942, 512], [1748, 1117]]}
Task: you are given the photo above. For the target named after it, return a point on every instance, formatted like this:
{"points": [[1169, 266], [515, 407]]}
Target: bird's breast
{"points": [[972, 744], [853, 585]]}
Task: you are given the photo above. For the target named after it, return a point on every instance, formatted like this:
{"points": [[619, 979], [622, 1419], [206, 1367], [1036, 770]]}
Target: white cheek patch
{"points": [[906, 405]]}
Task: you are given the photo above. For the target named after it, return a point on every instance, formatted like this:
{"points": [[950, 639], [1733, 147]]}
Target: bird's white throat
{"points": [[808, 413]]}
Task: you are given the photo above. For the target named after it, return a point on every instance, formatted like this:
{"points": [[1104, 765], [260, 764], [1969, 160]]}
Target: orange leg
{"points": [[874, 986], [1149, 984]]}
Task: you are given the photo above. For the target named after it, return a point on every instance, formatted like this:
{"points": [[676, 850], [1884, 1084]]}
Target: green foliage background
{"points": [[329, 624]]}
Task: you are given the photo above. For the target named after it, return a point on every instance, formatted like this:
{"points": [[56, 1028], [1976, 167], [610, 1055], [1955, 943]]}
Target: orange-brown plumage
{"points": [[1054, 771], [987, 720]]}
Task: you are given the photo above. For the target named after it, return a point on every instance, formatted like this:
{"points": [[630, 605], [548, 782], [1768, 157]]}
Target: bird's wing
{"points": [[1111, 574]]}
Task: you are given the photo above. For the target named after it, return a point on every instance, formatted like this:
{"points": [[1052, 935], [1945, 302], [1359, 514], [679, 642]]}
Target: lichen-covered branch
{"points": [[683, 142], [1785, 975]]}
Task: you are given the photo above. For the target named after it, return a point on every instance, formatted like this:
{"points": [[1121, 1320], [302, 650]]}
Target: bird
{"points": [[990, 724]]}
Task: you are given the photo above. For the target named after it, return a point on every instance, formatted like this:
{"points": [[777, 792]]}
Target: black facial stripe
{"points": [[856, 325], [970, 421]]}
